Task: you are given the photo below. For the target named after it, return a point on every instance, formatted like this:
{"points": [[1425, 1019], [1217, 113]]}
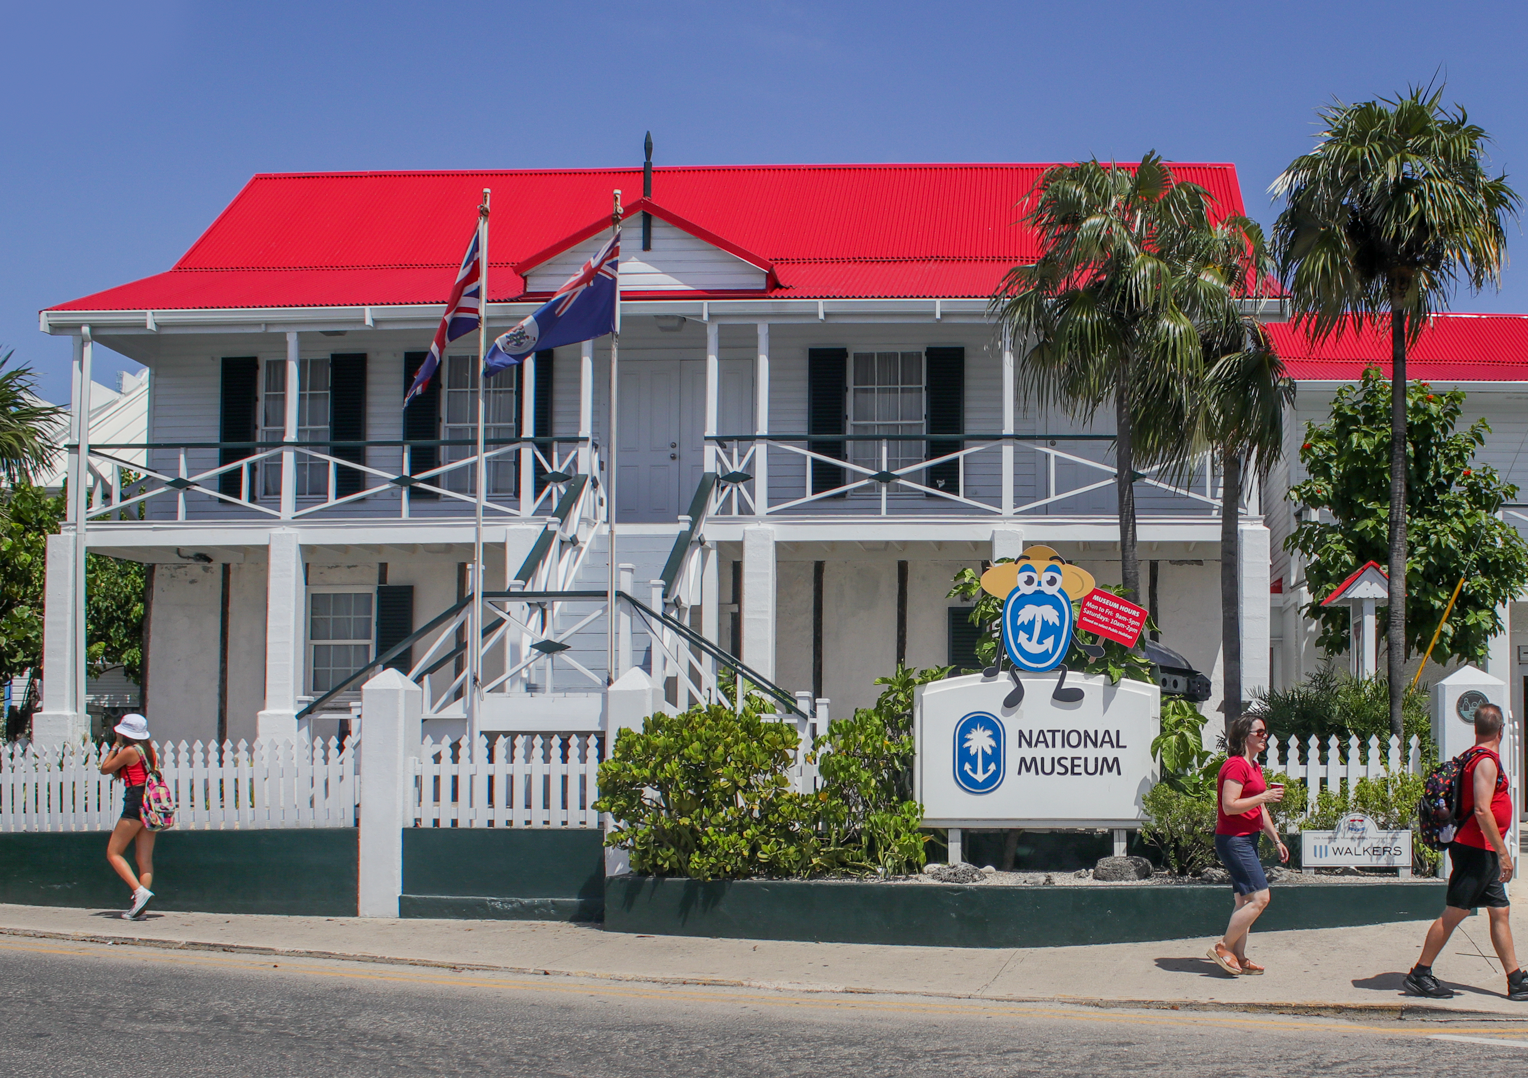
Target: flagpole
{"points": [[610, 465], [475, 619]]}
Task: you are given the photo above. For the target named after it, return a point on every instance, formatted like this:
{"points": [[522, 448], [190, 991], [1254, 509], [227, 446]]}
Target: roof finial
{"points": [[647, 192]]}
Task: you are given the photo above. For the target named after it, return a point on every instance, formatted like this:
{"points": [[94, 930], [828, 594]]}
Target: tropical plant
{"points": [[1114, 305], [1328, 704], [1245, 393], [28, 425], [1182, 825], [1179, 746], [1385, 216], [1454, 533]]}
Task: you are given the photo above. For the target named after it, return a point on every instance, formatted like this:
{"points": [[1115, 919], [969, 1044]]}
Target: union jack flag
{"points": [[461, 317], [581, 310]]}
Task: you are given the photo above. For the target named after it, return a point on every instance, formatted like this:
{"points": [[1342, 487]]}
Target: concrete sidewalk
{"points": [[1324, 970]]}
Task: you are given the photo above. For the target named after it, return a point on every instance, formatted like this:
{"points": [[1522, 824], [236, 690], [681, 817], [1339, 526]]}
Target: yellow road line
{"points": [[973, 1008]]}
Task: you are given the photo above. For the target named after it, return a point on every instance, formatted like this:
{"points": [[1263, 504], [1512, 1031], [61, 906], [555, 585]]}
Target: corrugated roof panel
{"points": [[1453, 347], [844, 230]]}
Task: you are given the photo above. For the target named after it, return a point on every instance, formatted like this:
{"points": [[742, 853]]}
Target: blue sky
{"points": [[127, 127]]}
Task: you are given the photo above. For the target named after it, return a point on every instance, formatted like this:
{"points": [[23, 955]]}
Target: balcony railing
{"points": [[987, 474], [160, 481]]}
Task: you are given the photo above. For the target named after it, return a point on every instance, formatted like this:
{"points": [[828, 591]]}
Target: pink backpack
{"points": [[158, 803]]}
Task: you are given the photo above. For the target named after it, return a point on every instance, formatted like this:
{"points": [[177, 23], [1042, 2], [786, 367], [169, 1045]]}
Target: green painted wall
{"points": [[987, 915], [503, 873], [310, 871]]}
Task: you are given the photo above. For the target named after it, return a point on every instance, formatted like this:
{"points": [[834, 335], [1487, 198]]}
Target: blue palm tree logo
{"points": [[979, 752]]}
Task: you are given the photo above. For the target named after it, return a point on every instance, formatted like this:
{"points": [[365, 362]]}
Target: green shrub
{"points": [[1181, 825], [1391, 802], [1329, 703], [705, 794], [1179, 747]]}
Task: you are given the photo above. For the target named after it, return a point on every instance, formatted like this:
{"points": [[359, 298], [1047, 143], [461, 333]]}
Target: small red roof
{"points": [[1452, 348], [1341, 589], [828, 231]]}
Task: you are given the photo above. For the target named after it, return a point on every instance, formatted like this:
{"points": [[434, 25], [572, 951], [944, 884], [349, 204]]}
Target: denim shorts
{"points": [[132, 803], [1239, 854]]}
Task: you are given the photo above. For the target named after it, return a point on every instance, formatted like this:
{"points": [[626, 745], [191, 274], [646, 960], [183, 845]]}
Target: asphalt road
{"points": [[85, 1009]]}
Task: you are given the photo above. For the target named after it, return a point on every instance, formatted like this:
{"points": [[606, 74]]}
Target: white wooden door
{"points": [[662, 419]]}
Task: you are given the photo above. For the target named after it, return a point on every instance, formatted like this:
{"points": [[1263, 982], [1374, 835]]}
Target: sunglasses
{"points": [[1257, 733]]}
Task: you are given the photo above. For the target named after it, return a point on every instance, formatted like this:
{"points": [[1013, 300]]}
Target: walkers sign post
{"points": [[1357, 842], [1044, 762]]}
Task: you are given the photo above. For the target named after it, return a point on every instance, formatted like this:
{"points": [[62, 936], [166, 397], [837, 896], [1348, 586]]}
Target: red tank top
{"points": [[1501, 804], [135, 773]]}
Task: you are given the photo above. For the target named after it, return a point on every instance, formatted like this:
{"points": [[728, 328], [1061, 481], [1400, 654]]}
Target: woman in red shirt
{"points": [[130, 758], [1240, 817]]}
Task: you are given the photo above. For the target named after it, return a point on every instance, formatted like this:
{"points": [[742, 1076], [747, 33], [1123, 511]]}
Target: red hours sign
{"points": [[1111, 617]]}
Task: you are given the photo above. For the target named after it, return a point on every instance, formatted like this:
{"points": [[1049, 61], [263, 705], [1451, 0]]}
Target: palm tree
{"points": [[1245, 393], [27, 425], [1113, 305], [1390, 210]]}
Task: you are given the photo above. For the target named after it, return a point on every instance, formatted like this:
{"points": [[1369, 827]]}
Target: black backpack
{"points": [[1442, 792]]}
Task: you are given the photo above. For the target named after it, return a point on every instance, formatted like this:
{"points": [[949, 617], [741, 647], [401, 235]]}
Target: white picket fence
{"points": [[1365, 760], [516, 780], [228, 786]]}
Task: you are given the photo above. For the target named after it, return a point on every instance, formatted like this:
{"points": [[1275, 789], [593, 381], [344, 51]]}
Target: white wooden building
{"points": [[818, 425]]}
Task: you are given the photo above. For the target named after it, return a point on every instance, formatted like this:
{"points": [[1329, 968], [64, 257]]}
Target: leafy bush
{"points": [[1179, 747], [1182, 826], [705, 794], [1329, 703]]}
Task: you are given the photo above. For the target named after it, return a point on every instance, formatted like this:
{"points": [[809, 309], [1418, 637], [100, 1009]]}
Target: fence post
{"points": [[391, 705]]}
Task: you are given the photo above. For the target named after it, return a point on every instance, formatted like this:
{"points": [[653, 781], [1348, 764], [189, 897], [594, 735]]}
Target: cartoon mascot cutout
{"points": [[1036, 627]]}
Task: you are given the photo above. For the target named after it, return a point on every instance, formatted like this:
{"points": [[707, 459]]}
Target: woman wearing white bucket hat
{"points": [[132, 754]]}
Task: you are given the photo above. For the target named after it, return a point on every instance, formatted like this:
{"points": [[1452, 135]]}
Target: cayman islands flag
{"points": [[581, 310], [461, 318]]}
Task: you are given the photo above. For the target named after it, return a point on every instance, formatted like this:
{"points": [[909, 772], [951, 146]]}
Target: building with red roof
{"points": [[817, 425]]}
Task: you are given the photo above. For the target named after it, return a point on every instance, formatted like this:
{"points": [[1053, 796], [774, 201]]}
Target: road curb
{"points": [[1392, 1011]]}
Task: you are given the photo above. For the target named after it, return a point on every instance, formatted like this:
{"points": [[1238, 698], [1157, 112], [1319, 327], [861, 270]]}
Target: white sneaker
{"points": [[141, 899]]}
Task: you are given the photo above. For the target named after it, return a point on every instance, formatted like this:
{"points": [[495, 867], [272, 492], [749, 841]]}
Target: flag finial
{"points": [[647, 192]]}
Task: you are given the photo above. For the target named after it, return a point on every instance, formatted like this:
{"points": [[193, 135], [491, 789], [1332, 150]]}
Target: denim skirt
{"points": [[1239, 854]]}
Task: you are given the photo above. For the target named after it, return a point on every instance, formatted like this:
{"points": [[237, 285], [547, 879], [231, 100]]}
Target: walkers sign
{"points": [[1044, 762], [1357, 842]]}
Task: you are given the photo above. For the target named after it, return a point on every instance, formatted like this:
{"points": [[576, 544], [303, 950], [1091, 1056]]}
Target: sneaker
{"points": [[1517, 986], [1425, 984], [141, 899]]}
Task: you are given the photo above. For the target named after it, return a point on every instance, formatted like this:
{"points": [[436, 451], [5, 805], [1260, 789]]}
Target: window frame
{"points": [[310, 642], [900, 454], [270, 481], [504, 471]]}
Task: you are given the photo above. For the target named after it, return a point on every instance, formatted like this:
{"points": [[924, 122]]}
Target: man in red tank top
{"points": [[1481, 862]]}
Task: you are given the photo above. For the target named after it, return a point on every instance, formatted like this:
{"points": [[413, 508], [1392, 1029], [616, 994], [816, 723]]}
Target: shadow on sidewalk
{"points": [[116, 915], [1202, 966], [1396, 982]]}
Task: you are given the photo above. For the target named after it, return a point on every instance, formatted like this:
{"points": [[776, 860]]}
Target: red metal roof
{"points": [[1453, 348], [830, 231]]}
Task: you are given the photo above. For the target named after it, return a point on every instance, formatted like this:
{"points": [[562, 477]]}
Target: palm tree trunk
{"points": [[1230, 585], [1124, 482], [1395, 633]]}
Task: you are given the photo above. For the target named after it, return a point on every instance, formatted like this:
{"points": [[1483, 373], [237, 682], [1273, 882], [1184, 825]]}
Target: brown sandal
{"points": [[1250, 967], [1222, 957]]}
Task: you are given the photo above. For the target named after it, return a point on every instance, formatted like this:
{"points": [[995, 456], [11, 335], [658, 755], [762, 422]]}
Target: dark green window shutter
{"points": [[395, 620], [963, 637], [827, 375], [944, 379], [347, 417], [421, 423], [241, 410], [543, 412]]}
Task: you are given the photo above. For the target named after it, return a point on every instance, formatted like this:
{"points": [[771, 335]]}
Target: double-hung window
{"points": [[886, 398], [339, 636], [312, 424], [500, 408]]}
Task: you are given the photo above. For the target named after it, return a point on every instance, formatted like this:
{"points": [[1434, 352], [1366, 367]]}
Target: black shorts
{"points": [[132, 804], [1475, 879]]}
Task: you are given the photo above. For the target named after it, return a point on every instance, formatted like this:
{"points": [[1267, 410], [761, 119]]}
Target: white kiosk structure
{"points": [[1360, 593]]}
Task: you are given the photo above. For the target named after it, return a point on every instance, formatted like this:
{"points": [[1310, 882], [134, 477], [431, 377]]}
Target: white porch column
{"points": [[761, 424], [1008, 422], [710, 603], [713, 390], [62, 718], [1256, 606], [585, 404], [289, 428], [623, 622], [527, 430], [1007, 543], [1499, 658], [284, 607], [79, 497], [758, 614], [390, 707]]}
